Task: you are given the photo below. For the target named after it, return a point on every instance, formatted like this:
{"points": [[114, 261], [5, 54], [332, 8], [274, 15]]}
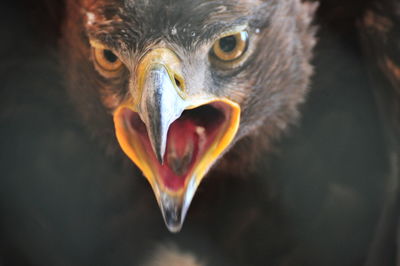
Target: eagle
{"points": [[260, 115], [188, 85]]}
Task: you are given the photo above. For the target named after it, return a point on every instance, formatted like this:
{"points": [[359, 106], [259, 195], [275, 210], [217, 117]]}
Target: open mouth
{"points": [[192, 142]]}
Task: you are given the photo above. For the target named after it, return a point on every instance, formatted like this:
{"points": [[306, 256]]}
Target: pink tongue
{"points": [[182, 146]]}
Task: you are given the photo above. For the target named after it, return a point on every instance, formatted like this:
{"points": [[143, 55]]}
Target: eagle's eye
{"points": [[107, 63], [230, 47]]}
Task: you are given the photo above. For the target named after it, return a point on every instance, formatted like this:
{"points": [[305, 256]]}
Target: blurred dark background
{"points": [[63, 201]]}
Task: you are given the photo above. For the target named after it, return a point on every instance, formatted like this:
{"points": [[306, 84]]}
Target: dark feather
{"points": [[380, 32]]}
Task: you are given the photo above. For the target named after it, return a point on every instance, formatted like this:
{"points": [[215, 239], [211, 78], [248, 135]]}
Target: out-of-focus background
{"points": [[317, 201]]}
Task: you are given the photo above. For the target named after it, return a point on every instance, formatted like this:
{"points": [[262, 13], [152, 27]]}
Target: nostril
{"points": [[178, 82]]}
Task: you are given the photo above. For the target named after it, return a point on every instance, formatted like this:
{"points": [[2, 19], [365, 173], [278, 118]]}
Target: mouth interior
{"points": [[190, 137]]}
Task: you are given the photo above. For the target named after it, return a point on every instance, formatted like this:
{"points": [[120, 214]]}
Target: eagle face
{"points": [[183, 82]]}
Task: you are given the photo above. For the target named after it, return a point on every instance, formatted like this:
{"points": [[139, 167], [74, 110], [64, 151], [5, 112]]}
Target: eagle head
{"points": [[186, 85]]}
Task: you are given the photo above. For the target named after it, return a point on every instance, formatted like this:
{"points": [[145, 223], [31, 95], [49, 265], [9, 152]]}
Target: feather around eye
{"points": [[106, 62]]}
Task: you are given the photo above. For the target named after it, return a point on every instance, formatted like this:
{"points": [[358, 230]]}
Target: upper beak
{"points": [[159, 106], [172, 137]]}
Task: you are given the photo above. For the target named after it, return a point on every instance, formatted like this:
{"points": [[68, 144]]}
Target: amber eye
{"points": [[231, 47], [106, 61]]}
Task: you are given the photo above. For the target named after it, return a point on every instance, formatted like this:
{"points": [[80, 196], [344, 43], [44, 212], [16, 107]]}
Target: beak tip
{"points": [[173, 209], [173, 226], [160, 157], [173, 217]]}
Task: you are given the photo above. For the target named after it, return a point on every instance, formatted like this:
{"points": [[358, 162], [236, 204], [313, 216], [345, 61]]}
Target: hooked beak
{"points": [[172, 137]]}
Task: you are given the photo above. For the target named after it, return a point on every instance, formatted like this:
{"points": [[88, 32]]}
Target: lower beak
{"points": [[173, 138]]}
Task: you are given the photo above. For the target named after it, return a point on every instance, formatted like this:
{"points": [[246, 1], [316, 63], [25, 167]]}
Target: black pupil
{"points": [[227, 44], [110, 56]]}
